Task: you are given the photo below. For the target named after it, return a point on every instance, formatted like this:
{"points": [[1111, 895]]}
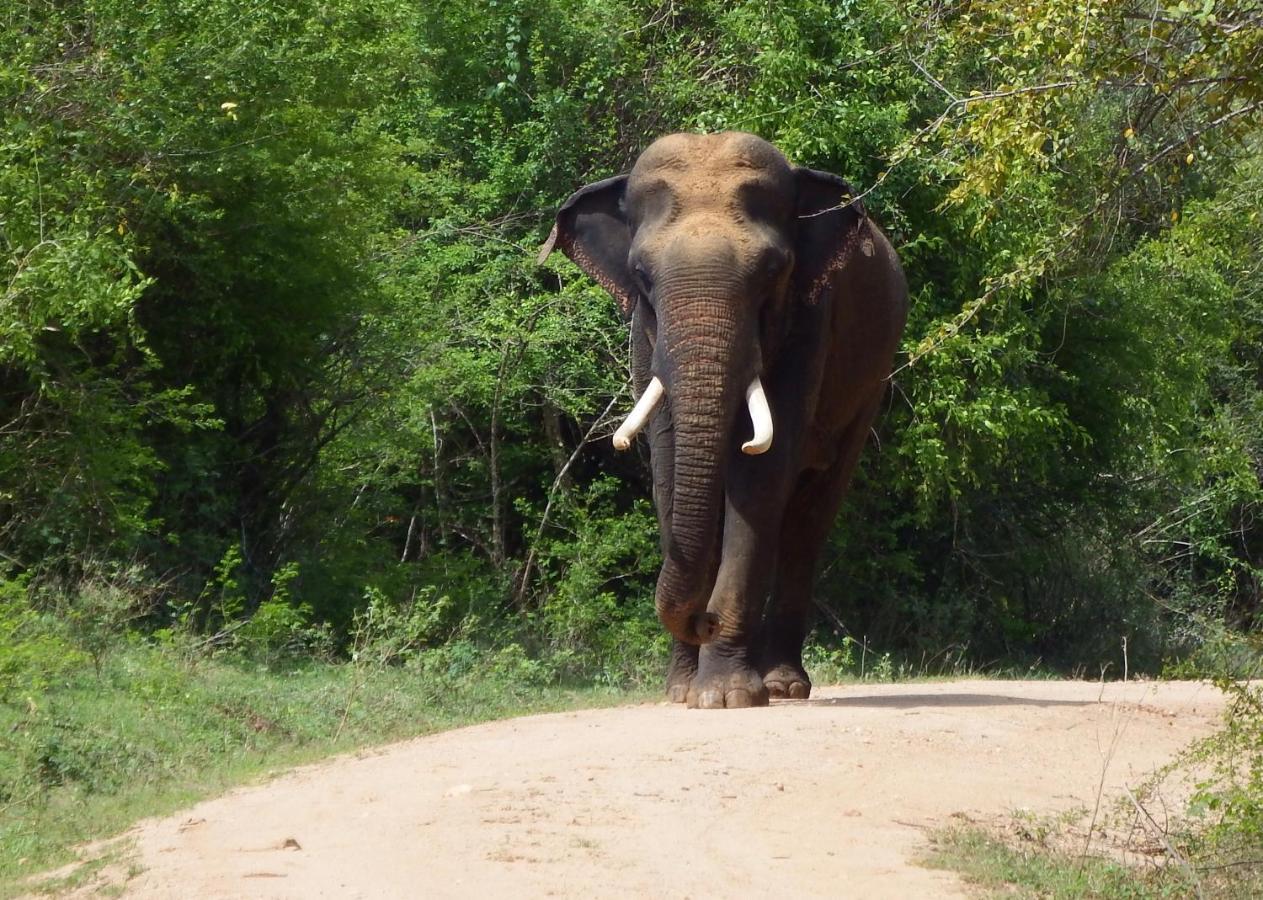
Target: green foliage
{"points": [[33, 656], [96, 617], [280, 384], [1233, 797], [281, 628], [190, 194], [591, 622], [1002, 870], [272, 334], [383, 634]]}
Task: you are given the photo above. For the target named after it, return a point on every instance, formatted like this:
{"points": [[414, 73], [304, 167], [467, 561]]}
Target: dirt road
{"points": [[825, 798]]}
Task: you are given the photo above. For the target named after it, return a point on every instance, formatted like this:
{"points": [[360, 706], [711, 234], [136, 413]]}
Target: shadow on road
{"points": [[911, 701]]}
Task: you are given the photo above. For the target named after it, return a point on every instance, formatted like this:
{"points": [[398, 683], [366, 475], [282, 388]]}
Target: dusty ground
{"points": [[824, 798]]}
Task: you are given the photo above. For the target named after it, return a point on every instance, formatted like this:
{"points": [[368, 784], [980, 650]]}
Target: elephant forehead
{"points": [[729, 175], [711, 160], [727, 148]]}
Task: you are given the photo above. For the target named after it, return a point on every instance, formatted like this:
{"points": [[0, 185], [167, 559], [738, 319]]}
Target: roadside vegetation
{"points": [[1193, 832], [300, 450]]}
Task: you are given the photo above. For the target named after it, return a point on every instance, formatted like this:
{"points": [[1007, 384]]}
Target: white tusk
{"points": [[761, 417], [639, 415]]}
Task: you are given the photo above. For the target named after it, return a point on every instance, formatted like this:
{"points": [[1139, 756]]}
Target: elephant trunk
{"points": [[709, 375]]}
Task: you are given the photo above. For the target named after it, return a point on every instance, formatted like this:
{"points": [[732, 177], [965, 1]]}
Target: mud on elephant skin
{"points": [[765, 309]]}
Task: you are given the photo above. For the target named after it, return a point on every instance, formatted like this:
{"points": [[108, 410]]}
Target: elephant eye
{"points": [[643, 278], [775, 261]]}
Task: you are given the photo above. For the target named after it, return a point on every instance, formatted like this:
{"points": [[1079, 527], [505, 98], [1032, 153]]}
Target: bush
{"points": [[34, 654]]}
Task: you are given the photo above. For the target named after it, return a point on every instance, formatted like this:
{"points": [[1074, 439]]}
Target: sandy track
{"points": [[825, 798]]}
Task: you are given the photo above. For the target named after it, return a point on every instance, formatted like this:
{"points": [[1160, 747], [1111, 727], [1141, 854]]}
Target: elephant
{"points": [[763, 300]]}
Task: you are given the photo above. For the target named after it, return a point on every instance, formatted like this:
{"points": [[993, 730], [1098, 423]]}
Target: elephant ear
{"points": [[592, 230], [829, 225]]}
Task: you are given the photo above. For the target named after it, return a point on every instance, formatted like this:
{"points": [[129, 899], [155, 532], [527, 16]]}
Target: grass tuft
{"points": [[1004, 868]]}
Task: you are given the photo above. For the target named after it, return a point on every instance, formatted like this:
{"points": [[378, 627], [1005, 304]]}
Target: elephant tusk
{"points": [[761, 417], [639, 415]]}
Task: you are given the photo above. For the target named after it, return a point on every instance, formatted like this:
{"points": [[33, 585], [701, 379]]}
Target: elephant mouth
{"points": [[756, 404]]}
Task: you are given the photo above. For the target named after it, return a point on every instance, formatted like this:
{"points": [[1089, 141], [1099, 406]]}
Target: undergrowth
{"points": [[1002, 869]]}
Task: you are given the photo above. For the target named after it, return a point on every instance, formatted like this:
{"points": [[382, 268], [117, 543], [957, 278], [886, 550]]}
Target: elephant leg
{"points": [[682, 670], [809, 517], [684, 661], [726, 672]]}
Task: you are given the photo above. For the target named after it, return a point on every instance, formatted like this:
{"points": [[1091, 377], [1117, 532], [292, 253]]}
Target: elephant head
{"points": [[713, 244]]}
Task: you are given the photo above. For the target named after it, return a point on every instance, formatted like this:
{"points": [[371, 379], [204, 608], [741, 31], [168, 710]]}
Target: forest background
{"points": [[281, 383]]}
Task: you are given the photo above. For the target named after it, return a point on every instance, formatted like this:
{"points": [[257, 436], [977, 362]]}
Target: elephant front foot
{"points": [[787, 681], [725, 680], [682, 671]]}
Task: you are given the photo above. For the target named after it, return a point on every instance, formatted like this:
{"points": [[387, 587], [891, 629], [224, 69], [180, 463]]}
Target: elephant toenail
{"points": [[677, 693], [738, 699], [711, 700], [799, 691]]}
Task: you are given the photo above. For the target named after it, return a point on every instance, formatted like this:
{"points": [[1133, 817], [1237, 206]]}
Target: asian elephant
{"points": [[765, 307]]}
